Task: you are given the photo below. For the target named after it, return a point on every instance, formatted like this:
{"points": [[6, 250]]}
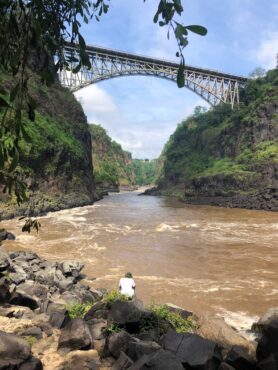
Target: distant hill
{"points": [[226, 157]]}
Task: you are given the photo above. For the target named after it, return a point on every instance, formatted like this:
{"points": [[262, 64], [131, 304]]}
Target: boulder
{"points": [[161, 359], [268, 343], [123, 362], [4, 260], [32, 364], [98, 310], [266, 319], [71, 268], [128, 314], [184, 313], [239, 359], [34, 331], [23, 300], [24, 256], [136, 349], [96, 327], [59, 319], [13, 351], [75, 335], [216, 330], [268, 363], [118, 342], [5, 294], [193, 351], [6, 235], [33, 289]]}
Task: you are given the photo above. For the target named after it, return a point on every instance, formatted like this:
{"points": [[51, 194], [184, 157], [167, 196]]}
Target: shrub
{"points": [[78, 310], [162, 319], [30, 340]]}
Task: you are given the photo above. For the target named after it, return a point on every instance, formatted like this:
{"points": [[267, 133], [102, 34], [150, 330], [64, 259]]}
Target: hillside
{"points": [[56, 164], [226, 157], [113, 169]]}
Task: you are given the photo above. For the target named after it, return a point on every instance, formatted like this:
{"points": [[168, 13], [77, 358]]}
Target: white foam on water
{"points": [[241, 321]]}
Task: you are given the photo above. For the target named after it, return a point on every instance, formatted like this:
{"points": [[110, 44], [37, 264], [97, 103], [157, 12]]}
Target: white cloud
{"points": [[268, 50]]}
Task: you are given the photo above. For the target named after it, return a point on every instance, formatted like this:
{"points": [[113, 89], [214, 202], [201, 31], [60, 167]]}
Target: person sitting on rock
{"points": [[127, 285]]}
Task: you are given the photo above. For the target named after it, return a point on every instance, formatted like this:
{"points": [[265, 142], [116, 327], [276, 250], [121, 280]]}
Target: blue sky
{"points": [[142, 112]]}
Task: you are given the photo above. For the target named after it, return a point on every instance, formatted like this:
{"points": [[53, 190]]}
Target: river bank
{"points": [[56, 323]]}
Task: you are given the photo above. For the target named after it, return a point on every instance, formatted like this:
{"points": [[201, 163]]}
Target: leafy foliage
{"points": [[145, 171], [222, 142], [78, 310], [162, 318]]}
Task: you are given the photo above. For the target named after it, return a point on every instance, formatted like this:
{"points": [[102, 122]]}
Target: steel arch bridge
{"points": [[212, 86]]}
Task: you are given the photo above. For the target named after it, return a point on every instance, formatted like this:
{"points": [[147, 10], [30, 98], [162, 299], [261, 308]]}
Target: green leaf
{"points": [[3, 103], [200, 30], [3, 90], [180, 75], [161, 23]]}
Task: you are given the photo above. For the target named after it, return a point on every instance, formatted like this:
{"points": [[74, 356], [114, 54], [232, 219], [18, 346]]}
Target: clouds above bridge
{"points": [[141, 112]]}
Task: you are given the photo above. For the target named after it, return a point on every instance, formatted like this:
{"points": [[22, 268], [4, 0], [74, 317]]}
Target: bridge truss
{"points": [[212, 86]]}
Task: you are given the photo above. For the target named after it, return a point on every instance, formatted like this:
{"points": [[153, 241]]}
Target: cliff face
{"points": [[226, 157], [56, 163], [113, 169]]}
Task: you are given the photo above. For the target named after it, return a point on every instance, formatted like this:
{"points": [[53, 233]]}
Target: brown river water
{"points": [[203, 258]]}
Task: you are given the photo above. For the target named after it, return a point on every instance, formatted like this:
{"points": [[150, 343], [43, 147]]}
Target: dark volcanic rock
{"points": [[128, 314], [76, 335], [5, 235], [71, 268], [136, 349], [97, 311], [5, 294], [118, 342], [23, 300], [96, 327], [158, 360], [13, 351], [268, 363], [35, 332], [123, 362], [240, 360], [268, 343], [4, 260], [32, 364], [193, 351]]}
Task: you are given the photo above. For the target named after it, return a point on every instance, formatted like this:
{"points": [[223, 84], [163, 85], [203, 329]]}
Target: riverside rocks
{"points": [[119, 335]]}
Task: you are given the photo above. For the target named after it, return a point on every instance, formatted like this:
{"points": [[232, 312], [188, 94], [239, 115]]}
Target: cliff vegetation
{"points": [[227, 157]]}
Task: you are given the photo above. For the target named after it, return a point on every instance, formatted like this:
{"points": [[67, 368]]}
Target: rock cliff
{"points": [[56, 163], [225, 157]]}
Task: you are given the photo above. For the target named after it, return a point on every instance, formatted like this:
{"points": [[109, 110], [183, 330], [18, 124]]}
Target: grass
{"points": [[78, 310]]}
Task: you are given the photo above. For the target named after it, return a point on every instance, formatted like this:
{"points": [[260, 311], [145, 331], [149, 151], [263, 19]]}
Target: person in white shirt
{"points": [[127, 285]]}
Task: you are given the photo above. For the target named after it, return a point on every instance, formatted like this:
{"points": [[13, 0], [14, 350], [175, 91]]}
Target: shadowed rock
{"points": [[13, 351], [76, 335], [193, 351]]}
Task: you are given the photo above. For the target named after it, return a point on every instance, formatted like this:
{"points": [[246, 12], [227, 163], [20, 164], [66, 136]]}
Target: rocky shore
{"points": [[262, 200], [50, 320]]}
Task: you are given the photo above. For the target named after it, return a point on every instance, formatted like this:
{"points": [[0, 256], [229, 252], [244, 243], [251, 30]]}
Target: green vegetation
{"points": [[30, 340], [224, 147], [145, 170], [78, 310], [162, 317], [113, 296]]}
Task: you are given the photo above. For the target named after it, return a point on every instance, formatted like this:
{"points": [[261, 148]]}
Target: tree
{"points": [[257, 73], [38, 30]]}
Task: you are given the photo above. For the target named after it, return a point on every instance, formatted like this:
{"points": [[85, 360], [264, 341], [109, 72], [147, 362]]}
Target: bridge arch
{"points": [[213, 86]]}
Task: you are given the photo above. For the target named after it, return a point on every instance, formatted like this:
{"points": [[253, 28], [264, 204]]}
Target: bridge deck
{"points": [[135, 57]]}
